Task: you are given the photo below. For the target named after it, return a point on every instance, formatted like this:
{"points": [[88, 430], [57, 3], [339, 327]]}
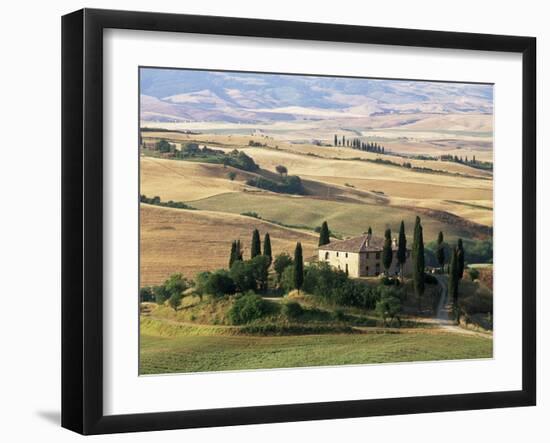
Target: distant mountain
{"points": [[193, 95]]}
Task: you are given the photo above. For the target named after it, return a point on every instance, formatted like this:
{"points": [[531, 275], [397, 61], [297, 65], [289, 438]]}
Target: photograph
{"points": [[303, 220]]}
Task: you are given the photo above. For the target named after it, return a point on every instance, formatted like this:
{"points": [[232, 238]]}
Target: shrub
{"points": [[146, 294], [216, 283], [388, 281], [161, 294], [429, 279], [473, 273], [389, 305], [247, 308], [281, 262], [292, 309]]}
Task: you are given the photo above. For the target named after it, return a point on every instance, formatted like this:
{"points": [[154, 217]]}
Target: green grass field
{"points": [[200, 353], [344, 218]]}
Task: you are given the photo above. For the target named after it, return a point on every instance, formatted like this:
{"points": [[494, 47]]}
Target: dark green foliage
{"points": [[146, 294], [247, 308], [163, 146], [239, 253], [389, 305], [440, 251], [175, 301], [260, 267], [267, 248], [454, 279], [255, 246], [282, 261], [250, 275], [290, 184], [369, 232], [474, 273], [233, 253], [324, 235], [402, 248], [217, 283], [335, 140], [388, 281], [418, 261], [235, 158], [387, 254], [281, 170], [176, 284], [161, 294], [333, 286], [169, 204], [243, 276], [429, 279], [231, 175], [298, 267], [460, 258], [292, 309]]}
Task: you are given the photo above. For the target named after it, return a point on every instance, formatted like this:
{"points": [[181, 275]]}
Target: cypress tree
{"points": [[418, 261], [453, 280], [238, 251], [267, 247], [343, 140], [298, 267], [387, 253], [460, 258], [440, 252], [233, 254], [255, 247], [324, 235], [369, 231], [402, 248]]}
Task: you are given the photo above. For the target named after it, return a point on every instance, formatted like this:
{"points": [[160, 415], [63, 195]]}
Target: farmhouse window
{"points": [[377, 256], [326, 255], [346, 255]]}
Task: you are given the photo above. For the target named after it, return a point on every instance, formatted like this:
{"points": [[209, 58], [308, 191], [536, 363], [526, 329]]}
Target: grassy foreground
{"points": [[200, 353]]}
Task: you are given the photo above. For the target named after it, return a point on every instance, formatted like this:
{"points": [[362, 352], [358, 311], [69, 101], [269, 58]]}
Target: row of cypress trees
{"points": [[255, 250]]}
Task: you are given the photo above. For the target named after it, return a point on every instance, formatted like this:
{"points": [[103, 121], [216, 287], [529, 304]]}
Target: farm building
{"points": [[361, 256]]}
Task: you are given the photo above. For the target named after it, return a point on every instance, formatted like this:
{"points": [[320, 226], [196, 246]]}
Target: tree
{"points": [[255, 247], [176, 284], [343, 140], [267, 248], [324, 235], [440, 251], [219, 283], [369, 232], [460, 258], [298, 267], [233, 253], [239, 251], [453, 281], [402, 249], [335, 140], [260, 266], [175, 301], [231, 175], [281, 170], [418, 261], [387, 253], [161, 294], [146, 294], [282, 261], [163, 146], [389, 306]]}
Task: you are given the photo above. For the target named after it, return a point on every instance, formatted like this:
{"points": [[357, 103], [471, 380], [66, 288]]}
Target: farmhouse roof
{"points": [[361, 243]]}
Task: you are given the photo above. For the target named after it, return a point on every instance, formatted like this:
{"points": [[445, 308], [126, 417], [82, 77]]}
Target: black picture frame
{"points": [[82, 216]]}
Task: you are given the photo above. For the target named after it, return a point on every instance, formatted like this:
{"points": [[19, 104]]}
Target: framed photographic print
{"points": [[270, 221]]}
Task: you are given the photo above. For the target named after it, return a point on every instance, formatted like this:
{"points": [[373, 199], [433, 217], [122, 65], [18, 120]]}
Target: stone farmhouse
{"points": [[362, 256]]}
